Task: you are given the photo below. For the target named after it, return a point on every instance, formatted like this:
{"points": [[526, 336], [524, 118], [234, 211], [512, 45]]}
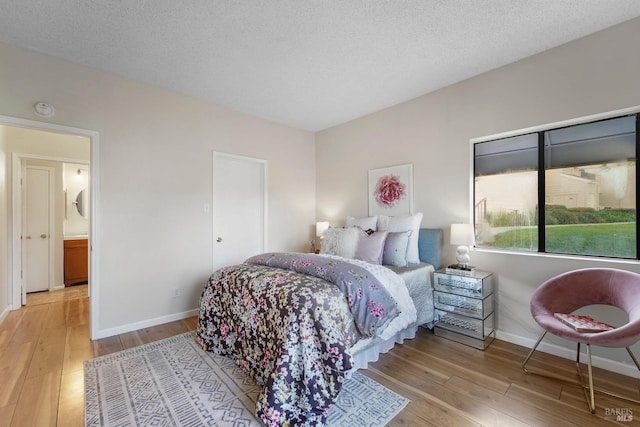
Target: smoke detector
{"points": [[44, 109]]}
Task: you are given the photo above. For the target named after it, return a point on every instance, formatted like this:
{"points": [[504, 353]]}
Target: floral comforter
{"points": [[289, 321]]}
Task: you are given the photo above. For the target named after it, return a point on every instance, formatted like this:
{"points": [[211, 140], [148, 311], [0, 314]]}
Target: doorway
{"points": [[17, 296], [240, 232], [31, 238]]}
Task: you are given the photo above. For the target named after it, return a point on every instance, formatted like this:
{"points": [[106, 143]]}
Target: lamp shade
{"points": [[321, 228], [462, 234]]}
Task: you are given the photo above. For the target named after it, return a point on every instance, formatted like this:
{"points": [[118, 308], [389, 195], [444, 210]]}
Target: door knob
{"points": [[28, 237], [219, 239], [43, 236]]}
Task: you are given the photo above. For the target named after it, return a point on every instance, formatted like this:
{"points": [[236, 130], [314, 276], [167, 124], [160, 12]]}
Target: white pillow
{"points": [[340, 241], [366, 223], [404, 223]]}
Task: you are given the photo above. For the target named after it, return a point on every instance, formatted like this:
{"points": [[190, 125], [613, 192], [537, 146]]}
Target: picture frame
{"points": [[391, 190]]}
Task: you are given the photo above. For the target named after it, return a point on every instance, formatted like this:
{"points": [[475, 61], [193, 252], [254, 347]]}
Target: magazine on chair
{"points": [[584, 324]]}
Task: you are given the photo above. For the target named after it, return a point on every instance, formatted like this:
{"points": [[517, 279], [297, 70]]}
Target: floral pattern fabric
{"points": [[370, 303], [292, 331]]}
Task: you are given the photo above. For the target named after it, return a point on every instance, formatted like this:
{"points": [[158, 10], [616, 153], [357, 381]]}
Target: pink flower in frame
{"points": [[389, 190]]}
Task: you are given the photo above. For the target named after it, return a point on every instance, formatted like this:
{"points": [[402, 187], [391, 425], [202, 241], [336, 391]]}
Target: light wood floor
{"points": [[42, 347]]}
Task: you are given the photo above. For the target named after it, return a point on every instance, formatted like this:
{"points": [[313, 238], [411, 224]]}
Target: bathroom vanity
{"points": [[76, 261]]}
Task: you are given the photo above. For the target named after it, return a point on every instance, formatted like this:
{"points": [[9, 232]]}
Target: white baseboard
{"points": [[104, 333], [570, 353], [4, 313]]}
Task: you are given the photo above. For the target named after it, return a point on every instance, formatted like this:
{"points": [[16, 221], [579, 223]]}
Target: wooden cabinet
{"points": [[76, 262]]}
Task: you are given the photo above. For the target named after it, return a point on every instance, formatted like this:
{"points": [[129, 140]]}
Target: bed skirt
{"points": [[369, 350]]}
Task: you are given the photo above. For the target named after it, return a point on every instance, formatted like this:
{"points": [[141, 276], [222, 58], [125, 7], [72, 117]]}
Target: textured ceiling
{"points": [[310, 64]]}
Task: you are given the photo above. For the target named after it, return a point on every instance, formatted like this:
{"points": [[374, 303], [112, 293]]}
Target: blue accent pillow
{"points": [[395, 249]]}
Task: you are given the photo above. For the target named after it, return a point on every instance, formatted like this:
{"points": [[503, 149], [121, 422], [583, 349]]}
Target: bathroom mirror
{"points": [[81, 203]]}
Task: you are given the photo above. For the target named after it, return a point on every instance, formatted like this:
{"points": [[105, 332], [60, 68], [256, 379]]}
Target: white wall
{"points": [[592, 75], [154, 177], [5, 278]]}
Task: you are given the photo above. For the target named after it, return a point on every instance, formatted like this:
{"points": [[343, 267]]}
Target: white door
{"points": [[239, 208], [37, 228]]}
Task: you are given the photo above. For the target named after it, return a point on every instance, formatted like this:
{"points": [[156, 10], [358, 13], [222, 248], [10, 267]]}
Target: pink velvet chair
{"points": [[570, 291]]}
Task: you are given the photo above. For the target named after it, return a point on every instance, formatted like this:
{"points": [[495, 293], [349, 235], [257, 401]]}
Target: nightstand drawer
{"points": [[476, 328], [473, 307], [478, 286]]}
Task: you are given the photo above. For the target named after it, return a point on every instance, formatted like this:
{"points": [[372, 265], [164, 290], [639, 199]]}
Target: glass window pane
{"points": [[591, 210], [589, 197], [506, 193], [591, 143], [590, 202], [506, 155]]}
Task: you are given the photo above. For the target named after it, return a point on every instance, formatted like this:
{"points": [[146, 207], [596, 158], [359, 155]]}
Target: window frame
{"points": [[541, 227]]}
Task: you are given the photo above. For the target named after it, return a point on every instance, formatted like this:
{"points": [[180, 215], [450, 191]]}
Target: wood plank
{"points": [[575, 413], [107, 345], [71, 405], [38, 404], [6, 415], [605, 405], [474, 409], [78, 348], [433, 371], [49, 352], [14, 364], [77, 311], [56, 316], [131, 339], [452, 368], [166, 330], [8, 327], [424, 405], [191, 323], [32, 324], [508, 406]]}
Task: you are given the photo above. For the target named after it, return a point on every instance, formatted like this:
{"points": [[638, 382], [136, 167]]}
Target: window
{"points": [[569, 190]]}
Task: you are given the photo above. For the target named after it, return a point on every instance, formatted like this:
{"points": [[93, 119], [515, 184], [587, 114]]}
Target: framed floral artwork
{"points": [[391, 190]]}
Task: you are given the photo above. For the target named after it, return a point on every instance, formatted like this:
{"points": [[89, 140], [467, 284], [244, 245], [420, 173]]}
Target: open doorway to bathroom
{"points": [[51, 219], [61, 158], [55, 208]]}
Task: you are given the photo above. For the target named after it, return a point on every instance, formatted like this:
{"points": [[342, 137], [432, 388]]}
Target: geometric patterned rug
{"points": [[173, 382]]}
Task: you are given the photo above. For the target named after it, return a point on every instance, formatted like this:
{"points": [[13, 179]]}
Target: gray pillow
{"points": [[395, 249]]}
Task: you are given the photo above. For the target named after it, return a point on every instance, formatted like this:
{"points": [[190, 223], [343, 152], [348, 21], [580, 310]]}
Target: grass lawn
{"points": [[613, 240]]}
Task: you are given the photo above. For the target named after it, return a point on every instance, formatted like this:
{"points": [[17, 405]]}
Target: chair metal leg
{"points": [[544, 374], [587, 386], [588, 390], [531, 352], [633, 357]]}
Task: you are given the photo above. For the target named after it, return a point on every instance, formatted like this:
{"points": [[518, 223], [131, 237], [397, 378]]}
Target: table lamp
{"points": [[321, 228], [463, 236]]}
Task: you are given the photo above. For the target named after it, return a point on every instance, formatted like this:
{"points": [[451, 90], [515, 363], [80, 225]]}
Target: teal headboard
{"points": [[430, 246]]}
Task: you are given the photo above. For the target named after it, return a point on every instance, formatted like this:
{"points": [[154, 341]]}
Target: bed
{"points": [[285, 320]]}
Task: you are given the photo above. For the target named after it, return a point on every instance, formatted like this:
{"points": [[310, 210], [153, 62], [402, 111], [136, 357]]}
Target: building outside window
{"points": [[569, 190]]}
